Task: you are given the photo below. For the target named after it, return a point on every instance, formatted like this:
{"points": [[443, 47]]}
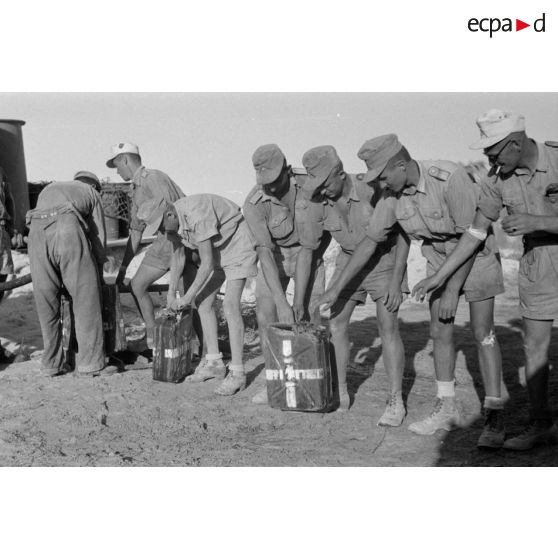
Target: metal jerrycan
{"points": [[298, 368], [173, 345]]}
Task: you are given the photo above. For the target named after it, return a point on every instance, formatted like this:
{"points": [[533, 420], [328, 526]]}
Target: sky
{"points": [[204, 141]]}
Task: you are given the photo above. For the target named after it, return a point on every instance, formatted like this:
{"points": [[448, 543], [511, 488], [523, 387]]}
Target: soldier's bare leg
{"points": [[443, 346], [444, 415], [393, 354], [490, 356], [145, 276], [490, 364], [236, 379], [537, 342], [541, 429], [339, 327]]}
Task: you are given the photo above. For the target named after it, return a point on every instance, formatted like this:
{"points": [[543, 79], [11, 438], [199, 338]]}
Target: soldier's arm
{"points": [[207, 265], [97, 233], [264, 249], [466, 247], [133, 244], [178, 261]]}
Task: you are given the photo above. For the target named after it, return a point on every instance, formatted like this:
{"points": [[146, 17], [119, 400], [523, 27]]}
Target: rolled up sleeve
{"points": [[258, 225], [383, 220], [490, 201], [309, 221]]}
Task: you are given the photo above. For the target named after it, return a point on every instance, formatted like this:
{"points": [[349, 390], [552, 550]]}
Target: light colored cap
{"points": [[376, 153], [268, 160], [495, 125], [89, 176], [119, 148], [151, 212], [319, 163]]}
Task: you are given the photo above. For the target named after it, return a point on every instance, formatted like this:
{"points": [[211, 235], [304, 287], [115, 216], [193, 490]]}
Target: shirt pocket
{"points": [[436, 220], [281, 224], [332, 223]]}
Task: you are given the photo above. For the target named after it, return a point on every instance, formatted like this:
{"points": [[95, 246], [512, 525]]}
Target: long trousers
{"points": [[60, 257]]}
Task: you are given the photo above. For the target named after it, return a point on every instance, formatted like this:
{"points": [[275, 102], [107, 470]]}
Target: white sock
{"points": [[496, 403], [237, 369], [446, 389], [216, 356]]}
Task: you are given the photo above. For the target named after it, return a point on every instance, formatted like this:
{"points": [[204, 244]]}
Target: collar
{"points": [[420, 187], [540, 165], [137, 174], [353, 194], [266, 197]]}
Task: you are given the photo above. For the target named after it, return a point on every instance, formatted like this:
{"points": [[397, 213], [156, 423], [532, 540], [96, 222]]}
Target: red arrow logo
{"points": [[519, 25]]}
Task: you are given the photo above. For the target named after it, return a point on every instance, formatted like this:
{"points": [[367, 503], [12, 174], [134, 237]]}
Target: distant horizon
{"points": [[204, 141]]}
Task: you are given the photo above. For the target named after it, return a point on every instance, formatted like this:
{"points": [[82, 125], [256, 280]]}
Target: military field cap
{"points": [[319, 163], [377, 152], [151, 212], [495, 125], [119, 148], [268, 160], [89, 176]]}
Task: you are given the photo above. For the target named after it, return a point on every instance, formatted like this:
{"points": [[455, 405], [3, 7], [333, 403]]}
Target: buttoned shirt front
{"points": [[147, 184], [272, 220], [440, 207], [348, 226], [207, 216], [525, 190]]}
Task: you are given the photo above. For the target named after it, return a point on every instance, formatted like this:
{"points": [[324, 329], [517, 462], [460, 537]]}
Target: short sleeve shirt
{"points": [[270, 219], [440, 207], [348, 226], [207, 216], [148, 184], [525, 190]]}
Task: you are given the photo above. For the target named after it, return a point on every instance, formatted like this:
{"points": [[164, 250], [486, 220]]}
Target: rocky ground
{"points": [[130, 420]]}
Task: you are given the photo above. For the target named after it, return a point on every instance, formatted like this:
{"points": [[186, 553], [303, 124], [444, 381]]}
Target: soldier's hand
{"points": [[422, 288], [393, 297], [171, 297], [327, 300], [448, 305], [121, 276], [285, 314], [298, 311], [520, 223]]}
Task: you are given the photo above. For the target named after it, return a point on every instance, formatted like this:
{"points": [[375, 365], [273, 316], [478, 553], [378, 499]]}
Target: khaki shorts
{"points": [[485, 280], [285, 259], [538, 283], [237, 257], [373, 279], [158, 255]]}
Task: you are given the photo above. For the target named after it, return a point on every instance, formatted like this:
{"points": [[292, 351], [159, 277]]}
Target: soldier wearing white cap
{"points": [[524, 180], [434, 202], [146, 184]]}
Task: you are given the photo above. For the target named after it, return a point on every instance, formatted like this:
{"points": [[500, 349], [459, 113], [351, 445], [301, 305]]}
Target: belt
{"points": [[530, 242], [50, 213]]}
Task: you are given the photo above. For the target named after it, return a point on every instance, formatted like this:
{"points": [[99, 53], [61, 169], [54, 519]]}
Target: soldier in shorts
{"points": [[524, 180], [284, 253], [348, 204], [146, 184], [215, 227], [435, 201]]}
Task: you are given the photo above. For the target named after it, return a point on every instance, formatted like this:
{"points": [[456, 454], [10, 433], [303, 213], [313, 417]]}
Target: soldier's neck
{"points": [[413, 174], [530, 156]]}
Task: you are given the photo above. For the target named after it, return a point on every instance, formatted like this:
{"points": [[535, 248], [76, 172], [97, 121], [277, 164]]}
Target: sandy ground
{"points": [[130, 420]]}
